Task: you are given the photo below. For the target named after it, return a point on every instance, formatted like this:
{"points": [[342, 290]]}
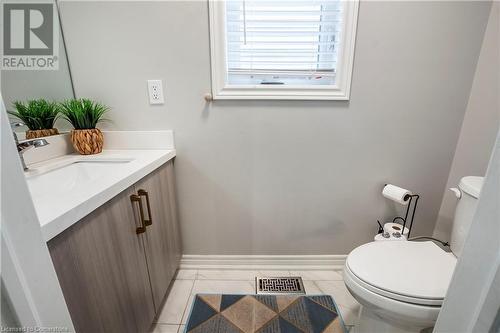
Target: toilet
{"points": [[401, 285]]}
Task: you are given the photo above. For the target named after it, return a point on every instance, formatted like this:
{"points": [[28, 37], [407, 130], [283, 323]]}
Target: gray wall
{"points": [[480, 123], [8, 317], [283, 177]]}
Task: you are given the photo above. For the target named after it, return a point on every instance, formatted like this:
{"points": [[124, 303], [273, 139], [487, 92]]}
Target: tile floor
{"points": [[176, 310]]}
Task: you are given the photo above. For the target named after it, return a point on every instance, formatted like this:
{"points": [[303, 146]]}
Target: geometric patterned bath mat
{"points": [[222, 313]]}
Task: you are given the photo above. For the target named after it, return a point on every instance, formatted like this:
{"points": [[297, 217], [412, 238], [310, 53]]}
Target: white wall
{"points": [[278, 177], [480, 122]]}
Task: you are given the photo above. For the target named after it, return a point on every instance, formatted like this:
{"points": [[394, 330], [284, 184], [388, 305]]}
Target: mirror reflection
{"points": [[32, 96]]}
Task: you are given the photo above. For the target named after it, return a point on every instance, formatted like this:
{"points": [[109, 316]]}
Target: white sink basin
{"points": [[68, 178], [67, 188]]}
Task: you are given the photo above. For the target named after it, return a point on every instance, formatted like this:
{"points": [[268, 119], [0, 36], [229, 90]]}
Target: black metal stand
{"points": [[405, 219]]}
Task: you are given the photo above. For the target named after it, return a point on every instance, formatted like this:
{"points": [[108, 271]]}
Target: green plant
{"points": [[37, 114], [83, 113]]}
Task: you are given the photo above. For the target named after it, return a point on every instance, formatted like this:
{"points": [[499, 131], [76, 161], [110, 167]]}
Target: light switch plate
{"points": [[155, 91]]}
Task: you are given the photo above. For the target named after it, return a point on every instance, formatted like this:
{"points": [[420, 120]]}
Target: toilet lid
{"points": [[420, 270]]}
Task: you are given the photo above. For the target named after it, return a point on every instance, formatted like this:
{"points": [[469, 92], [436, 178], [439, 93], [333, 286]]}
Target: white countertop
{"points": [[62, 203]]}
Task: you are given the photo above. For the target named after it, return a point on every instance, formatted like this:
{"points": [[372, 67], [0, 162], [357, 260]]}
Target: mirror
{"points": [[29, 84]]}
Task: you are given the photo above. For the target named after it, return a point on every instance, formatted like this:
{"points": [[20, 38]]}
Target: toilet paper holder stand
{"points": [[412, 205]]}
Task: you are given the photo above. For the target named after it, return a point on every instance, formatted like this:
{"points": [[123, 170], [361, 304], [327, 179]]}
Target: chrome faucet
{"points": [[25, 145]]}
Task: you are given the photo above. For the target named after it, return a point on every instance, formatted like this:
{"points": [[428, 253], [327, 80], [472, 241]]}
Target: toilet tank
{"points": [[470, 187]]}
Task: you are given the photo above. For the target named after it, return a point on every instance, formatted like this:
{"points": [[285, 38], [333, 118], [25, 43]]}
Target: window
{"points": [[282, 49]]}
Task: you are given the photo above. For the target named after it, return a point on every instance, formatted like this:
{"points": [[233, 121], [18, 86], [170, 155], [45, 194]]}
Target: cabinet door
{"points": [[157, 238], [101, 266], [175, 235]]}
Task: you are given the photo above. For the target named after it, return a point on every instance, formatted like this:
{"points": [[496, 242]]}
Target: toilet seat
{"points": [[411, 272], [388, 310]]}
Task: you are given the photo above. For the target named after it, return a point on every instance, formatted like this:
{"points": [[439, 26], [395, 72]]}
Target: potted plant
{"points": [[39, 115], [84, 115]]}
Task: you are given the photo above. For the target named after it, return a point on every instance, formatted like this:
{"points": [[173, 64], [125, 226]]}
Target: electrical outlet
{"points": [[155, 90]]}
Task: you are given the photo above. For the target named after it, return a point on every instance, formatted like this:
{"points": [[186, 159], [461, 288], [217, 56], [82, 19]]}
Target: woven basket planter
{"points": [[87, 141], [41, 133]]}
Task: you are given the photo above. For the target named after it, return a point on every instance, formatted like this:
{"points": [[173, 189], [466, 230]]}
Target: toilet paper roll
{"points": [[396, 194], [395, 227]]}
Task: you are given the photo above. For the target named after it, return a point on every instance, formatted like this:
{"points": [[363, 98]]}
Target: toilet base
{"points": [[370, 322]]}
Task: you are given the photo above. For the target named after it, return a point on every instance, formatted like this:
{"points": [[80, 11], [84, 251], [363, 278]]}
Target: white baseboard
{"points": [[261, 262]]}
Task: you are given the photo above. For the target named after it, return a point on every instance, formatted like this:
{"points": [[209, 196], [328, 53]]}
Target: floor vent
{"points": [[279, 285]]}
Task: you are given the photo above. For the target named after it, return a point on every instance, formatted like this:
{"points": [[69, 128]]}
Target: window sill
{"points": [[281, 93]]}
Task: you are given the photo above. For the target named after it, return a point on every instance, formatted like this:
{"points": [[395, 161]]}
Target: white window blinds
{"points": [[287, 42]]}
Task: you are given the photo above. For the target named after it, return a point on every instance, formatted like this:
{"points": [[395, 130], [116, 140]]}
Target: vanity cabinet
{"points": [[116, 264]]}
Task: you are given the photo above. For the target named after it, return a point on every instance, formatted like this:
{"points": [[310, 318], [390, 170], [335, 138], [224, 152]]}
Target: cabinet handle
{"points": [[145, 193], [142, 228]]}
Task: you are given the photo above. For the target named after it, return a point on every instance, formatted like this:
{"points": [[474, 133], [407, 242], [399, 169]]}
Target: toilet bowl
{"points": [[401, 285]]}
